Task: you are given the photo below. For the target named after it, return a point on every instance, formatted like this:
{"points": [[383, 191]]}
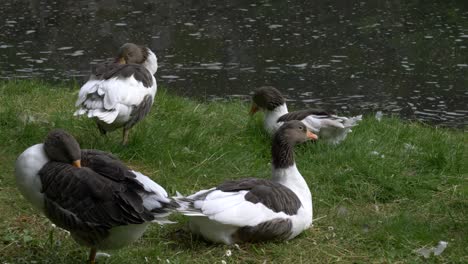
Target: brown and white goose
{"points": [[90, 193], [330, 128], [252, 210], [120, 93]]}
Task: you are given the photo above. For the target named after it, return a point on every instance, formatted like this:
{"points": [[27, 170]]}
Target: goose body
{"points": [[120, 93], [102, 203], [251, 209], [330, 128]]}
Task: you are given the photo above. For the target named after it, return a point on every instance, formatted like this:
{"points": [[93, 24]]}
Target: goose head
{"points": [[131, 53], [288, 135], [266, 98], [62, 147], [293, 133]]}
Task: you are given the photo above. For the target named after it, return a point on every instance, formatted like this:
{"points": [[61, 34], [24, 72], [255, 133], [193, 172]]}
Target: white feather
{"points": [[111, 101], [231, 208], [27, 167], [104, 115], [151, 62], [155, 194]]}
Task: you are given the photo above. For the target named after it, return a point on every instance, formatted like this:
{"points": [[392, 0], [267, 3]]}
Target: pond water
{"points": [[404, 57]]}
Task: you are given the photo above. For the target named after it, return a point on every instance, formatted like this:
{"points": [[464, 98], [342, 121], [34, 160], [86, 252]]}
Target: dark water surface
{"points": [[406, 57]]}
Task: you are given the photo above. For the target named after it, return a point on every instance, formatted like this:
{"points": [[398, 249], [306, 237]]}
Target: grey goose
{"points": [[329, 127], [252, 209], [90, 193], [120, 92]]}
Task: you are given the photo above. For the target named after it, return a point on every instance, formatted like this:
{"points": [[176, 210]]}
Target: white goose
{"points": [[120, 93], [90, 193], [252, 210], [330, 128]]}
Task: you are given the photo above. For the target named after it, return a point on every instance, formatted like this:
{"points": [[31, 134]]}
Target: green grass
{"points": [[370, 208]]}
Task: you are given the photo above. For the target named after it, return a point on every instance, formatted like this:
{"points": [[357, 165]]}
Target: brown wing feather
{"points": [[273, 195], [299, 115]]}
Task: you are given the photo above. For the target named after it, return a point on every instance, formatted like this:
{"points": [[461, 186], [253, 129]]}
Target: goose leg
{"points": [[92, 256], [125, 136], [101, 129]]}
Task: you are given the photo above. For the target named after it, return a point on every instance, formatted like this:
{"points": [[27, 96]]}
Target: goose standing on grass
{"points": [[253, 210], [330, 128], [90, 193], [120, 93]]}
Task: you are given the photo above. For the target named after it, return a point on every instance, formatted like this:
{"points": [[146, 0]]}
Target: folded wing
{"points": [[246, 202]]}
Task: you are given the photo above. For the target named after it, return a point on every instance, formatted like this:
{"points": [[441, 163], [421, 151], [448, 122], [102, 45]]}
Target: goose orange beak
{"points": [[77, 163], [121, 61], [253, 109], [311, 135]]}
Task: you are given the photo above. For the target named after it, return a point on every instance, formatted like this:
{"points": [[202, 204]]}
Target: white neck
{"points": [[151, 62], [271, 118], [292, 178]]}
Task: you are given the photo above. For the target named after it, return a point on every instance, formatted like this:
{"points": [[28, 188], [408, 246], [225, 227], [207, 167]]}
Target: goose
{"points": [[120, 93], [252, 209], [90, 193], [330, 128]]}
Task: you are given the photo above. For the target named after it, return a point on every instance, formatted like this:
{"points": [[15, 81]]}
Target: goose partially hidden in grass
{"points": [[330, 128], [90, 193], [252, 210], [120, 93]]}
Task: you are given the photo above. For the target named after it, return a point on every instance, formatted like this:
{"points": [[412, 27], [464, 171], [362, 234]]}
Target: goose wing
{"points": [[301, 114], [155, 198], [88, 204], [245, 202], [333, 129]]}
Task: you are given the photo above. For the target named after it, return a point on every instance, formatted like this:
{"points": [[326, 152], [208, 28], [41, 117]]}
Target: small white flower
{"points": [[331, 228], [53, 225], [228, 253], [223, 262]]}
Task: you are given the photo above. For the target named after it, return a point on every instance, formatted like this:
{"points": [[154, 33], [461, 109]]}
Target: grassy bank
{"points": [[391, 187]]}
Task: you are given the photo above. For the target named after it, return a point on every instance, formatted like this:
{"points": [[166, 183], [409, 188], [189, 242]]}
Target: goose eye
{"points": [[301, 127]]}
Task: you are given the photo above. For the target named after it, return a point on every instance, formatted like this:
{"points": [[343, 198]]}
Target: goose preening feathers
{"points": [[120, 93], [90, 193], [330, 128], [251, 210]]}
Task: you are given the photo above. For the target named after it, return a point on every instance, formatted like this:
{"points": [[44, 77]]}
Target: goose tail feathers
{"points": [[352, 121], [186, 205]]}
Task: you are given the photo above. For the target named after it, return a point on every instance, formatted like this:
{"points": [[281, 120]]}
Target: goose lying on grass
{"points": [[330, 128], [90, 193], [251, 210], [120, 93]]}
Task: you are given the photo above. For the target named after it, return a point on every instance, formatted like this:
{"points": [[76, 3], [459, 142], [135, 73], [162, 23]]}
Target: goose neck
{"points": [[282, 152]]}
